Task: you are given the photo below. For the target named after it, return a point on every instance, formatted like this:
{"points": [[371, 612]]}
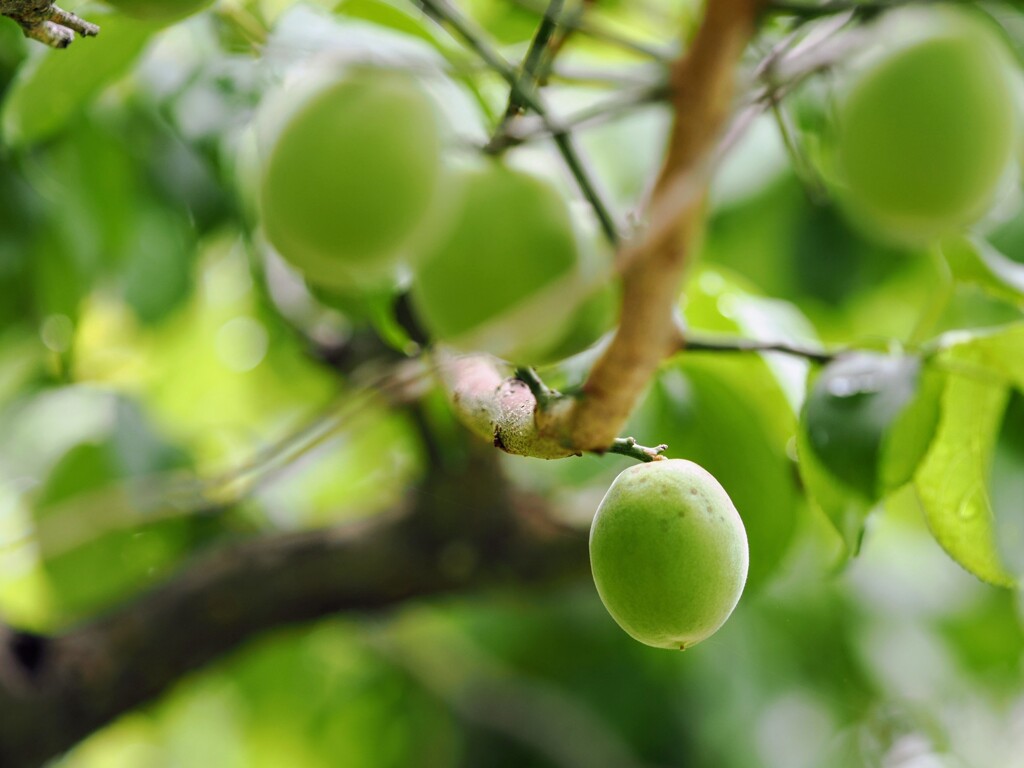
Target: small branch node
{"points": [[544, 394]]}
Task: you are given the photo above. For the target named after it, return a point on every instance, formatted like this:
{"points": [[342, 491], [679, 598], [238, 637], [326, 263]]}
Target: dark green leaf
{"points": [[1007, 485], [849, 410], [846, 508]]}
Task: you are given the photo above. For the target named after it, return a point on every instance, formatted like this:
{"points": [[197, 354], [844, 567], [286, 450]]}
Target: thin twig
{"points": [[804, 171], [710, 344], [444, 13], [596, 114], [810, 11], [578, 23], [531, 69]]}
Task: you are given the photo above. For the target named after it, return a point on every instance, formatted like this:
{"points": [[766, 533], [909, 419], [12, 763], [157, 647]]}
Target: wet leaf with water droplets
{"points": [[952, 479]]}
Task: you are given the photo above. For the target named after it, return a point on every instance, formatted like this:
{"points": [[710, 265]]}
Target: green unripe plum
{"points": [[510, 243], [668, 551], [350, 176], [164, 10], [926, 132]]}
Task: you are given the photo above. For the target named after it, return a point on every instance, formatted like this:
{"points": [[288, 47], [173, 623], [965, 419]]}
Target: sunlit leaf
{"points": [[975, 261], [997, 353], [391, 15], [952, 481]]}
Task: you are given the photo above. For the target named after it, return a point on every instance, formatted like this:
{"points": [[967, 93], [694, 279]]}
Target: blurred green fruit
{"points": [[158, 9], [350, 176], [669, 553], [506, 278], [927, 132]]}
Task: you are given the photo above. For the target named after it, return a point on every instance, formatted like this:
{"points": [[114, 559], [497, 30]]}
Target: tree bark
{"points": [[56, 690], [652, 268], [43, 21]]}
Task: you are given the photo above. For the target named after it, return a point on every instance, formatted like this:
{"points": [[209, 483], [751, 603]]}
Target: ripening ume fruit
{"points": [[164, 10], [505, 277], [668, 552], [926, 131], [350, 176]]}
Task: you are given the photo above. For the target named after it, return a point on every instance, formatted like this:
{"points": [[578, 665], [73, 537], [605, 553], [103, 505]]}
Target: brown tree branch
{"points": [[504, 410], [702, 84], [466, 531], [43, 21]]}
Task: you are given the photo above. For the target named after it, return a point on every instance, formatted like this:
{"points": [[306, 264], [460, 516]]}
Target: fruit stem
{"points": [[628, 446]]}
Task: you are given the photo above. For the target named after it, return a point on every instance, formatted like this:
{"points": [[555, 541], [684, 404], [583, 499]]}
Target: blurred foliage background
{"points": [[156, 362]]}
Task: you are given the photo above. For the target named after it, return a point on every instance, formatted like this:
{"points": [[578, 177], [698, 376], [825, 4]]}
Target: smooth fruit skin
{"points": [[668, 552], [512, 238], [351, 177], [927, 132]]}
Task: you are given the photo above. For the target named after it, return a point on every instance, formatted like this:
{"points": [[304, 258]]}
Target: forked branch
{"points": [[43, 21], [652, 268]]}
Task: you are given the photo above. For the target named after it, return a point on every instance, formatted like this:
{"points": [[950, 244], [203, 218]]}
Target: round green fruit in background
{"points": [[668, 552], [350, 176], [926, 131], [506, 276], [162, 10]]}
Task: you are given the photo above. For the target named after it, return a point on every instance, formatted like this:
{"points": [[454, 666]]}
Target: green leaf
{"points": [[93, 520], [729, 415], [952, 481], [849, 410], [973, 260], [391, 15], [906, 441], [846, 508], [57, 84], [1007, 485], [157, 273], [996, 353]]}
